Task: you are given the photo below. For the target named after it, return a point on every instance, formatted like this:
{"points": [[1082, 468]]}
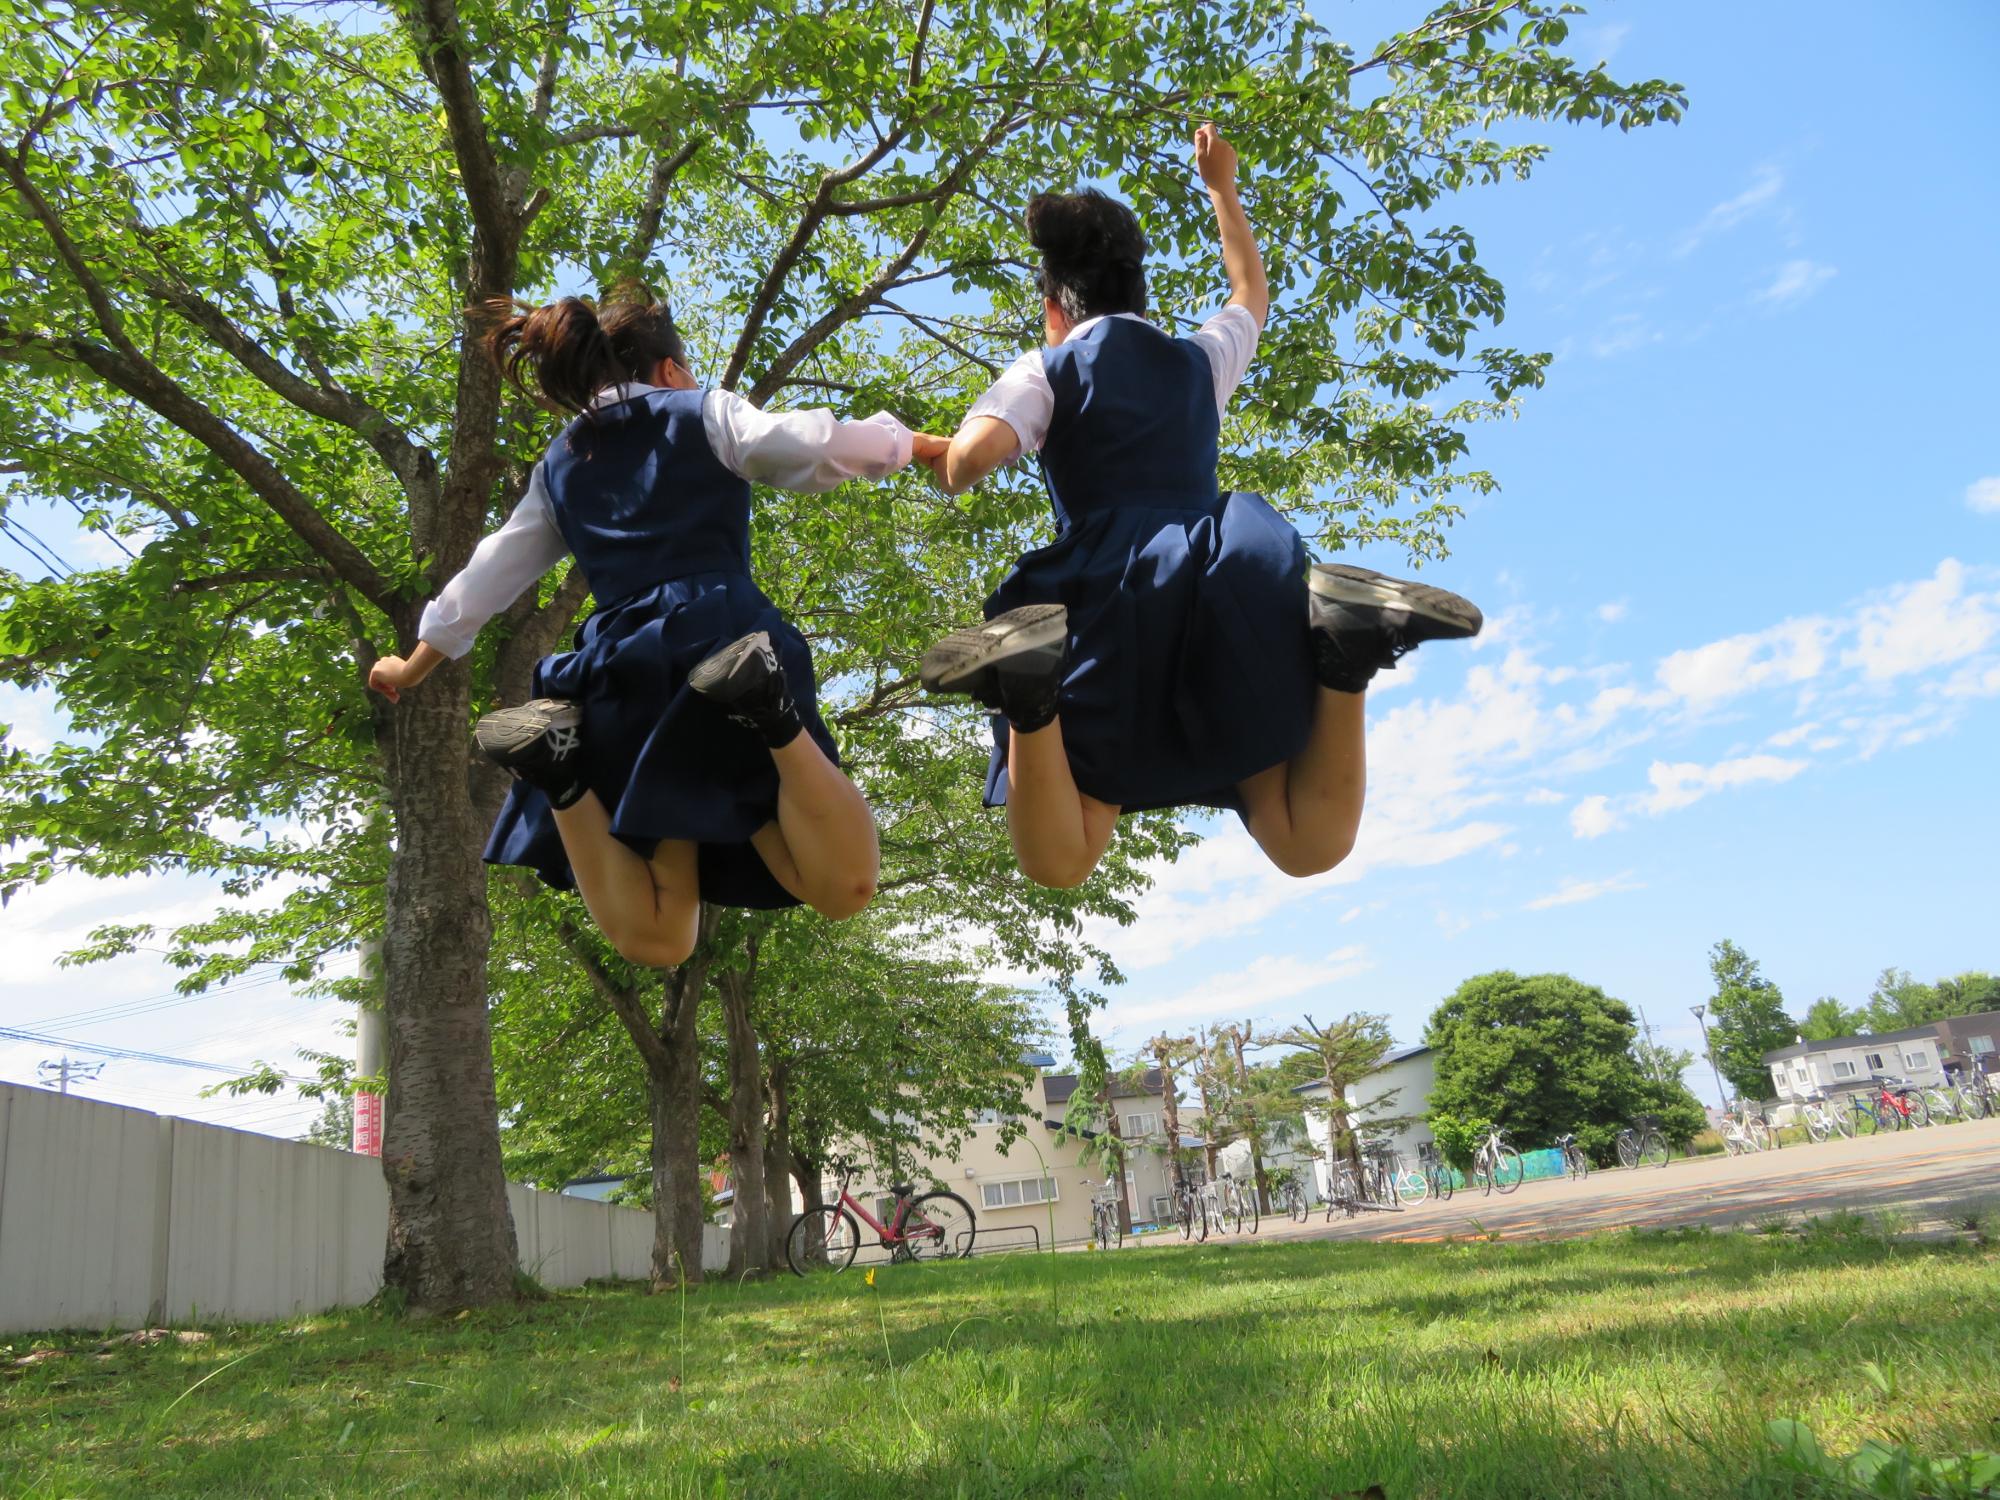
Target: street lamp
{"points": [[1721, 1096]]}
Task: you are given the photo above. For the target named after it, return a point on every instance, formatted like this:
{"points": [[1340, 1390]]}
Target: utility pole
{"points": [[1721, 1095], [1652, 1057], [371, 1053], [66, 1069]]}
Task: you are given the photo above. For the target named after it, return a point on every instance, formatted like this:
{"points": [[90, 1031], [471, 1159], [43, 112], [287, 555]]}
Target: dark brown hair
{"points": [[1093, 253], [575, 351]]}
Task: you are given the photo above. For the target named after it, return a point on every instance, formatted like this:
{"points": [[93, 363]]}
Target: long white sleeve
{"points": [[500, 567], [809, 450]]}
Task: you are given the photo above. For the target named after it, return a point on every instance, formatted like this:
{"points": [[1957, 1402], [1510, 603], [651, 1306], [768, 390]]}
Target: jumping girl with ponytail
{"points": [[677, 755], [1174, 646]]}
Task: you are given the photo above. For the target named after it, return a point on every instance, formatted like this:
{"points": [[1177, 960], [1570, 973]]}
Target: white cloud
{"points": [[1726, 215], [1543, 796], [1613, 612], [1918, 626], [1622, 333], [1790, 652], [1593, 818], [1983, 495], [1685, 783], [1572, 891], [1252, 991], [1795, 282]]}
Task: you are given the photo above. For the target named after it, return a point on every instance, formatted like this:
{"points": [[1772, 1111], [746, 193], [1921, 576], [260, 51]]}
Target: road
{"points": [[1925, 1173]]}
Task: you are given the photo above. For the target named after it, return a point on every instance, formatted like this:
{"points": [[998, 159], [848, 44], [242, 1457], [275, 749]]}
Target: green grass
{"points": [[1628, 1365]]}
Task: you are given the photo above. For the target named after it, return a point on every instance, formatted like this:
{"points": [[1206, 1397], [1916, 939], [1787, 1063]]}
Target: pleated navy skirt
{"points": [[1190, 651], [666, 762]]}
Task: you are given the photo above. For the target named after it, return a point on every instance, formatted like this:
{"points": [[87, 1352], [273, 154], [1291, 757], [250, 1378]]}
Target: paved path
{"points": [[1924, 1172]]}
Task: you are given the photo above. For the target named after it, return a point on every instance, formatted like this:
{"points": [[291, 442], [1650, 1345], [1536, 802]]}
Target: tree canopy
{"points": [[1746, 1019]]}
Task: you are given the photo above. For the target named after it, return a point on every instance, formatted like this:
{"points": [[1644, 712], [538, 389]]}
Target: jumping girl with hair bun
{"points": [[677, 755], [1174, 646]]}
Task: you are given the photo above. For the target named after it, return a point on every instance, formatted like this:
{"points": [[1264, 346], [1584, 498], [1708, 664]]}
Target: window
{"points": [[993, 1117], [1163, 1207], [1843, 1069], [1017, 1191], [1977, 1045], [1147, 1122], [1874, 1061], [1801, 1074], [1916, 1057]]}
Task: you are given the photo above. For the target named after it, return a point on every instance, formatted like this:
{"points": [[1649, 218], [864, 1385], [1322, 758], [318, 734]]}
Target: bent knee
{"points": [[652, 950], [1058, 874], [1304, 860], [844, 901]]}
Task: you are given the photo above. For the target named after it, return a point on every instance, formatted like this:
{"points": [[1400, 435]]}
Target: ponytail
{"points": [[574, 352]]}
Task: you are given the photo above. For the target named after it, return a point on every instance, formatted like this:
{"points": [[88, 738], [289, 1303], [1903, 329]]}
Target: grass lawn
{"points": [[1625, 1365]]}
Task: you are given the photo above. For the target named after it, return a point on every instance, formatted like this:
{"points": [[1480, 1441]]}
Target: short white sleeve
{"points": [[810, 450], [1022, 399], [500, 567], [1229, 339]]}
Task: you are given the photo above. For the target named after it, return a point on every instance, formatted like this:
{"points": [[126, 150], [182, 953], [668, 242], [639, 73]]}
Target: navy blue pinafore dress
{"points": [[1190, 652], [662, 532]]}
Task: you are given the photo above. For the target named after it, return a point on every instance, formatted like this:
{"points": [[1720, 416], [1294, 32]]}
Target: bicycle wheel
{"points": [[1863, 1120], [940, 1226], [822, 1240], [1184, 1212], [1298, 1205], [1653, 1149], [1582, 1166], [1509, 1171], [1444, 1185], [1758, 1129], [1920, 1112], [1887, 1116], [1251, 1210], [1818, 1127], [1971, 1104], [1941, 1105], [1412, 1185], [1628, 1150]]}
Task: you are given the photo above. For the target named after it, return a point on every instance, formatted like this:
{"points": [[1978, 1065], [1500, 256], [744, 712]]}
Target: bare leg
{"points": [[1304, 814], [821, 847], [646, 908], [1059, 833]]}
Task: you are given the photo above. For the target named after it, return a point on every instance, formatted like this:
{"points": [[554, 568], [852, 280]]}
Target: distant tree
{"points": [[1338, 1055], [1663, 1090], [1900, 1000], [1968, 994], [1746, 1019], [335, 1125], [1826, 1018], [1538, 1055]]}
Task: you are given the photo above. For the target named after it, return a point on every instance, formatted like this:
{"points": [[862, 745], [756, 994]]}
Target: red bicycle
{"points": [[1898, 1102], [933, 1226]]}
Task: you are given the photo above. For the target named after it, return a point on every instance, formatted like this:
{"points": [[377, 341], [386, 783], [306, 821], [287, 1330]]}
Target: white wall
{"points": [[113, 1216]]}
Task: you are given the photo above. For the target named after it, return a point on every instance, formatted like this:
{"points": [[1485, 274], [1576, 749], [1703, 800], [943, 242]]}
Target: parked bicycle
{"points": [[1745, 1131], [1976, 1094], [1822, 1120], [1378, 1175], [1575, 1163], [1897, 1103], [1497, 1166], [1191, 1210], [1642, 1143], [1107, 1230], [927, 1226], [1237, 1205], [1292, 1201], [1413, 1184], [1439, 1179]]}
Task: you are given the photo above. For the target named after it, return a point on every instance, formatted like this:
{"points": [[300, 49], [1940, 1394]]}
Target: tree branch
{"points": [[146, 382], [653, 210]]}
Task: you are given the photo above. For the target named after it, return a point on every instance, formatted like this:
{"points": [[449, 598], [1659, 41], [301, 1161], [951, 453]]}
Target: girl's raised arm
{"points": [[1215, 158]]}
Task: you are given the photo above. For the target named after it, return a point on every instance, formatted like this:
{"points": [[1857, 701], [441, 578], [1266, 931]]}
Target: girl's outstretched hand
{"points": [[389, 676], [1214, 157], [929, 450]]}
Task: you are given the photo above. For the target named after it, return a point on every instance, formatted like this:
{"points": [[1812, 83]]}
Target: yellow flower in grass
{"points": [[870, 1278]]}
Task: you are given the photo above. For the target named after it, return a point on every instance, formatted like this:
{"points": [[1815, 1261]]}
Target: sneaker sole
{"points": [[719, 668], [502, 735], [1341, 583], [964, 654]]}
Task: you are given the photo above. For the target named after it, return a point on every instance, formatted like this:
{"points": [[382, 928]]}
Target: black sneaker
{"points": [[1014, 664], [1363, 621], [541, 742], [747, 681]]}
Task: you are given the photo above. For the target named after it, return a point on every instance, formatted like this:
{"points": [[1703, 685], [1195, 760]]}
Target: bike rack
{"points": [[970, 1239]]}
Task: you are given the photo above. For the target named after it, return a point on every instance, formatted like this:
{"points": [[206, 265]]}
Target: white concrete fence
{"points": [[113, 1217]]}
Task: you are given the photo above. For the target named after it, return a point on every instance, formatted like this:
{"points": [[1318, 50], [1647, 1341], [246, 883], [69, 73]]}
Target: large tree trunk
{"points": [[1170, 1118], [451, 1237], [749, 1234], [1117, 1160], [777, 1160], [674, 1084]]}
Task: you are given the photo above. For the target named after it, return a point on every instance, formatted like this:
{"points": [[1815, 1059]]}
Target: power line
{"points": [[133, 1055], [147, 1003], [67, 1069]]}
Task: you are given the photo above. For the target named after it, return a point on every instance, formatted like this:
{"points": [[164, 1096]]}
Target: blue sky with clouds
{"points": [[1742, 675]]}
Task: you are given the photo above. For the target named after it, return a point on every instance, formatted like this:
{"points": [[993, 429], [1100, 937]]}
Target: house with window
{"points": [[1019, 1188], [1845, 1063], [1387, 1105]]}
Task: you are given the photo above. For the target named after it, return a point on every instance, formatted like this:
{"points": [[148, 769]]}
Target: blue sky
{"points": [[1743, 672]]}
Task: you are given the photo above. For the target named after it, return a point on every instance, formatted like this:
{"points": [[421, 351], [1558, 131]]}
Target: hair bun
{"points": [[1085, 230]]}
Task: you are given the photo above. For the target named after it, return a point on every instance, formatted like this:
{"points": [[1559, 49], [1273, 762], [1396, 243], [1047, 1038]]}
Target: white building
{"points": [[1398, 1091], [1844, 1063]]}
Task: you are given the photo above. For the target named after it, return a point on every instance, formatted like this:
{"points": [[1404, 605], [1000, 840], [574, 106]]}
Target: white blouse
{"points": [[1022, 399], [808, 451]]}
